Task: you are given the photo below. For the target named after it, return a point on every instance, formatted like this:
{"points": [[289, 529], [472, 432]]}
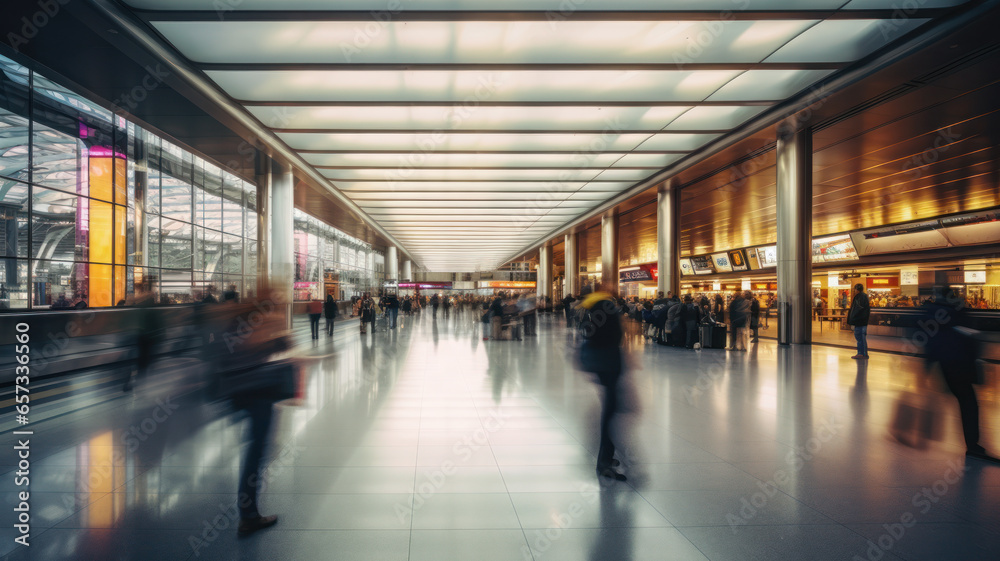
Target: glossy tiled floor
{"points": [[429, 444]]}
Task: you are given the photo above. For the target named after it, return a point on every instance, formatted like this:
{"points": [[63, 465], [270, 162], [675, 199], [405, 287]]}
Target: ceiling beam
{"points": [[502, 67], [383, 16]]}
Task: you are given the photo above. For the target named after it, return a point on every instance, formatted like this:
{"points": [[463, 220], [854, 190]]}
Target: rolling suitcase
{"points": [[712, 336]]}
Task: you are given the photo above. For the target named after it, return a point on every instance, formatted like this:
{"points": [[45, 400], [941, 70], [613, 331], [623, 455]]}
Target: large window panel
{"points": [[55, 278], [14, 143], [175, 287], [176, 199], [232, 254], [232, 206], [213, 251], [13, 218], [58, 230], [176, 244], [153, 241], [13, 283]]}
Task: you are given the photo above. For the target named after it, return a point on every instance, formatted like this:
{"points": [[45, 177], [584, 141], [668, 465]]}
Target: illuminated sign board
{"points": [[833, 248], [975, 277], [506, 284], [702, 265], [426, 285], [721, 262], [686, 267], [738, 260], [768, 256], [638, 273]]}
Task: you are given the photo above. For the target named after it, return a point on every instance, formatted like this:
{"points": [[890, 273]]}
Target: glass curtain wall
{"points": [[328, 261], [94, 209]]}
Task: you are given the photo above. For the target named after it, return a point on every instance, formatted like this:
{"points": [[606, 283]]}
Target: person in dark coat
{"points": [[601, 354], [435, 302], [739, 318], [690, 318], [331, 312], [857, 317], [754, 315], [952, 347], [719, 309], [567, 303]]}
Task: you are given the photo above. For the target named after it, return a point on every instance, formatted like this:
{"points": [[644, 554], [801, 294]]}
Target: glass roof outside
{"points": [[493, 131]]}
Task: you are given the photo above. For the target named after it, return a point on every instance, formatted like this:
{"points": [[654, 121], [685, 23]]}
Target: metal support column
{"points": [[544, 289], [794, 201], [282, 251], [262, 175], [407, 274], [609, 252], [572, 285], [667, 238]]}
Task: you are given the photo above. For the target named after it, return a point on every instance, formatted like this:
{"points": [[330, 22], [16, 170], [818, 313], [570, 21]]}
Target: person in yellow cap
{"points": [[600, 353]]}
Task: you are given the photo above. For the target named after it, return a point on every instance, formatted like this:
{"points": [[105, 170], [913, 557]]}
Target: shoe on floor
{"points": [[856, 357], [981, 454], [611, 474], [250, 525]]}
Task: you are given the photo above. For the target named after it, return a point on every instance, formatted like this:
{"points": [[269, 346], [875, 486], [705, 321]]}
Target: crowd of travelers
{"points": [[675, 321]]}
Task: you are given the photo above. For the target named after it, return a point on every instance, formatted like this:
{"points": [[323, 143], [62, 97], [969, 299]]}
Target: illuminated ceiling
{"points": [[468, 134]]}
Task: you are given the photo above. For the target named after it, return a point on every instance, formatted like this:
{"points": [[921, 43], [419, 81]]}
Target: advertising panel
{"points": [[738, 260], [767, 256], [833, 248], [721, 261], [702, 265], [686, 267]]}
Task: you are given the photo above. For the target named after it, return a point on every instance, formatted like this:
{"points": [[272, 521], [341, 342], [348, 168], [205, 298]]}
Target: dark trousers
{"points": [[692, 337], [314, 325], [393, 312], [261, 414], [329, 327], [755, 327], [959, 381], [569, 316], [607, 450]]}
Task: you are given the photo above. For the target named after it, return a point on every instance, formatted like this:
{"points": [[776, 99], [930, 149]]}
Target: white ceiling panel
{"points": [[460, 117], [473, 86], [467, 135], [429, 143], [465, 42], [406, 160]]}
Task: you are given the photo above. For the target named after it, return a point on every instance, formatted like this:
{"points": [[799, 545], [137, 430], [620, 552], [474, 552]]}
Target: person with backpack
{"points": [[690, 318], [600, 354]]}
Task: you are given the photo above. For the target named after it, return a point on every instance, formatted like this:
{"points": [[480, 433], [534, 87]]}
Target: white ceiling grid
{"points": [[467, 132]]}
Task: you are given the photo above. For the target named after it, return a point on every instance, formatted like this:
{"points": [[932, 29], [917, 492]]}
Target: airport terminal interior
{"points": [[413, 280]]}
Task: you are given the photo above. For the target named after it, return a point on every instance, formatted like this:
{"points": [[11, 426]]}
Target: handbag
{"points": [[276, 380]]}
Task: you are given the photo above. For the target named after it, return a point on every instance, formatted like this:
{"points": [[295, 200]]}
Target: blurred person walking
{"points": [[600, 354], [149, 329], [952, 346], [331, 312], [252, 381], [739, 318], [315, 311], [857, 317]]}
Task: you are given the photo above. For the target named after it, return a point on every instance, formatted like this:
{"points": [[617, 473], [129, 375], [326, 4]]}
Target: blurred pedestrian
{"points": [[754, 314], [331, 312], [952, 346], [315, 312], [600, 354]]}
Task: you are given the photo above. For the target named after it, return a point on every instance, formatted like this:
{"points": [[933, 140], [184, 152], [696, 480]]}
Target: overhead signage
{"points": [[738, 260], [506, 284], [446, 285], [833, 248], [745, 285], [768, 256], [721, 262], [753, 260], [686, 267], [882, 282], [702, 265], [638, 273], [975, 277], [909, 277]]}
